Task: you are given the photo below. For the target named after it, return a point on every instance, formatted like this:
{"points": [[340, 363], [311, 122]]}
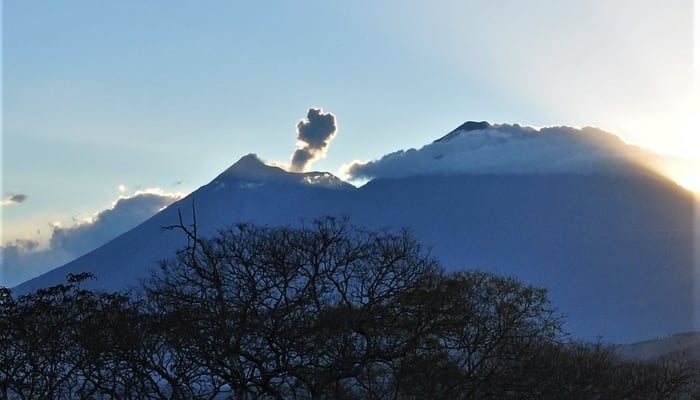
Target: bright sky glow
{"points": [[693, 129], [102, 99], [688, 174]]}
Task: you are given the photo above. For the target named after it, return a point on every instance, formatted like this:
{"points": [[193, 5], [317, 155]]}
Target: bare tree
{"points": [[324, 310], [331, 310]]}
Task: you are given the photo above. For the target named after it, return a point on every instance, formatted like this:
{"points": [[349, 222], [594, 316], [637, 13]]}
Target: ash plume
{"points": [[314, 134]]}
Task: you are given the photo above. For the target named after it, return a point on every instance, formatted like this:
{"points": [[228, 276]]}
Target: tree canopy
{"points": [[324, 310]]}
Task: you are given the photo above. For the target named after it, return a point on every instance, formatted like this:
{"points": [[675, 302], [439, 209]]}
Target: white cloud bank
{"points": [[24, 259], [483, 148]]}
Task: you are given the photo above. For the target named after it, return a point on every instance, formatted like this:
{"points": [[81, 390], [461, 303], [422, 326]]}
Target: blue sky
{"points": [[104, 99]]}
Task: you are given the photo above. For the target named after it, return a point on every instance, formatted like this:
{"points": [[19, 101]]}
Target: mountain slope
{"points": [[248, 191], [685, 344], [615, 253]]}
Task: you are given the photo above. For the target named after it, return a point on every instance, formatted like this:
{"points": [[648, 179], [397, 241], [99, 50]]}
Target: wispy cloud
{"points": [[14, 199], [26, 258]]}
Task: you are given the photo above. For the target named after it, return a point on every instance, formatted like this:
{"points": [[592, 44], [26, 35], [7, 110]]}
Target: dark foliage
{"points": [[324, 311]]}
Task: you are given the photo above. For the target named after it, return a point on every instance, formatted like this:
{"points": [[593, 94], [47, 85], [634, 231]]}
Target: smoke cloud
{"points": [[313, 137]]}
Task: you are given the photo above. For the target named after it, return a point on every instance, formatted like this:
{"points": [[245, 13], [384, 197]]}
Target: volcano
{"points": [[614, 250]]}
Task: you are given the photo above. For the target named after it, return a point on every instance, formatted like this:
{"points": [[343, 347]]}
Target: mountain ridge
{"points": [[251, 171], [617, 266]]}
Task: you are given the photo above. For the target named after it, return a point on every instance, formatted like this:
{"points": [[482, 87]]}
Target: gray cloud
{"points": [[14, 199], [18, 198], [314, 135], [108, 224], [510, 149], [24, 259]]}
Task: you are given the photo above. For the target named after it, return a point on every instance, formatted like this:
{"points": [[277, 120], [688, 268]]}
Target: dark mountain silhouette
{"points": [[614, 251]]}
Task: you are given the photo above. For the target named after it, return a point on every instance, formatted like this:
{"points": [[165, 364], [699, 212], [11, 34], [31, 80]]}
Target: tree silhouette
{"points": [[324, 310]]}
